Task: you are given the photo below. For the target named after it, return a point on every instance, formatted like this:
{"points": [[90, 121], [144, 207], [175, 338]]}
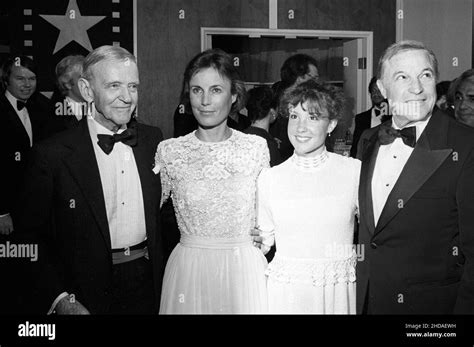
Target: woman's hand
{"points": [[258, 241]]}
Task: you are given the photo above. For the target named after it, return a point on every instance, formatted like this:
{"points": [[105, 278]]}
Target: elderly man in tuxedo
{"points": [[92, 200], [416, 197]]}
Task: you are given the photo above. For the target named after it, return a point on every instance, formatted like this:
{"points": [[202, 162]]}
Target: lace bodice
{"points": [[212, 184]]}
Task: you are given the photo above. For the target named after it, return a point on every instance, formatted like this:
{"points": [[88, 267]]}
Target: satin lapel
{"points": [[365, 187], [429, 153], [83, 167], [144, 161]]}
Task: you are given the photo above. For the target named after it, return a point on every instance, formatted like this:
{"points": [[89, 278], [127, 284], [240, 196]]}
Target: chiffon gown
{"points": [[215, 268], [307, 206]]}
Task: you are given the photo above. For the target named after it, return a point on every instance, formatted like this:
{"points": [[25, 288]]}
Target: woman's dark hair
{"points": [[223, 63], [260, 101], [295, 66], [317, 97], [17, 60]]}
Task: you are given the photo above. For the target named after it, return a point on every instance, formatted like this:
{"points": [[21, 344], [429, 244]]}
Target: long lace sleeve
{"points": [[160, 167], [264, 214]]}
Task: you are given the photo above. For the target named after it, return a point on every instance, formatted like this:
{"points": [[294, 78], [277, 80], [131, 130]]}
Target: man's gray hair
{"points": [[111, 53], [406, 45], [65, 69]]}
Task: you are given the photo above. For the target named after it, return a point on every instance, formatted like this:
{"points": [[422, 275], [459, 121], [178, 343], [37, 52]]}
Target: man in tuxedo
{"points": [[69, 107], [416, 197], [25, 119], [376, 115], [92, 200]]}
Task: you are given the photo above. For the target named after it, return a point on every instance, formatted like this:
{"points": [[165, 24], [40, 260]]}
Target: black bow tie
{"points": [[20, 105], [387, 135], [128, 137], [377, 112]]}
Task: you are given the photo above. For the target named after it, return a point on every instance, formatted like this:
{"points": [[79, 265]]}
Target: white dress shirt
{"points": [[391, 160], [23, 115], [122, 190]]}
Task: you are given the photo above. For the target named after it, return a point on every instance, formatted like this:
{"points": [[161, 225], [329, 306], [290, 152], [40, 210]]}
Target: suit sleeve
{"points": [[465, 201]]}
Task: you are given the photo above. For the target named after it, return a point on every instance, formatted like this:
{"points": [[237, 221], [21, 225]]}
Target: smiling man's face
{"points": [[408, 81]]}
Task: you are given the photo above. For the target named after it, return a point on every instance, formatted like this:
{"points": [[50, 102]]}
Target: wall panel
{"points": [[166, 43]]}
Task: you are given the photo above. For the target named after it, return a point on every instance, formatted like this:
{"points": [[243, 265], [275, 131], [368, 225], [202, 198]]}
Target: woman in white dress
{"points": [[307, 206], [211, 175]]}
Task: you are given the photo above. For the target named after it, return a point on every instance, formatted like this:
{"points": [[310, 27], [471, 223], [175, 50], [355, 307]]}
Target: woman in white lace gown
{"points": [[211, 175], [307, 206]]}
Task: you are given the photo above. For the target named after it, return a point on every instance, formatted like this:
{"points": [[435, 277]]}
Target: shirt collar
{"points": [[420, 126], [98, 128], [12, 99]]}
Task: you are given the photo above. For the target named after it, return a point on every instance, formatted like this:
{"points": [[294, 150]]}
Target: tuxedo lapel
{"points": [[82, 164], [371, 149], [428, 155]]}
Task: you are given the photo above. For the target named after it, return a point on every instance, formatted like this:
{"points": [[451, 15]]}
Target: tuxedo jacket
{"points": [[15, 144], [419, 257], [62, 207]]}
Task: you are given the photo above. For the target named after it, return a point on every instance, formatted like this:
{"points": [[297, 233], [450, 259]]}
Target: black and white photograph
{"points": [[173, 169]]}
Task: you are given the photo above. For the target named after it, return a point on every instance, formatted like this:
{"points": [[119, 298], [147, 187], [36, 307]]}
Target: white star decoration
{"points": [[73, 26]]}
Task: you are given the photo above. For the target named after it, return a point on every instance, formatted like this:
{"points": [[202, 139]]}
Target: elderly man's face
{"points": [[114, 91], [409, 84], [464, 102]]}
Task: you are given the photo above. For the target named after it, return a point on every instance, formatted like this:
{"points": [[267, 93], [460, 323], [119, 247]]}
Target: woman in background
{"points": [[307, 204], [211, 176]]}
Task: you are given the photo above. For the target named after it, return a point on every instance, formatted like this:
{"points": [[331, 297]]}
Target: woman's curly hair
{"points": [[317, 96]]}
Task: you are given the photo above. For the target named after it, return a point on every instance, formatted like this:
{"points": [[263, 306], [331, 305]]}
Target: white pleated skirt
{"points": [[214, 276]]}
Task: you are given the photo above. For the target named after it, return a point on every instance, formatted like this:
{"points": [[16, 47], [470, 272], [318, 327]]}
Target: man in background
{"points": [[377, 114]]}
